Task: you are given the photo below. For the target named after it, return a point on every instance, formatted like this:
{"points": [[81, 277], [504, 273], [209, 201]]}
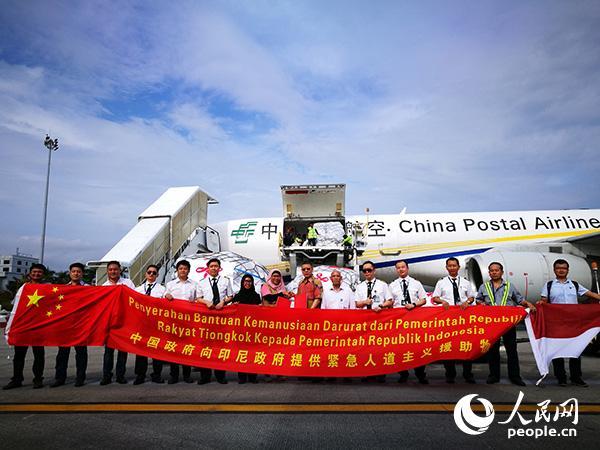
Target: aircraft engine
{"points": [[528, 271]]}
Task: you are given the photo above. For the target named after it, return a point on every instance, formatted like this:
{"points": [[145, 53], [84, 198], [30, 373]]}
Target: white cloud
{"points": [[461, 109]]}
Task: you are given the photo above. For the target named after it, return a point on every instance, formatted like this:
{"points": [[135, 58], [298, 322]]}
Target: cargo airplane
{"points": [[525, 242]]}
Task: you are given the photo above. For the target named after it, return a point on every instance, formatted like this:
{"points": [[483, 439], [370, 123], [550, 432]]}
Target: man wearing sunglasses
{"points": [[154, 289], [372, 294]]}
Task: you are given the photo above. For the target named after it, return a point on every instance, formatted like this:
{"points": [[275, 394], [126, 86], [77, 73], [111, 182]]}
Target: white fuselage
{"points": [[426, 240]]}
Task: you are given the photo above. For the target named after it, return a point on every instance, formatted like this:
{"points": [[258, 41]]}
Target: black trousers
{"points": [[62, 362], [574, 369], [109, 358], [512, 357], [206, 373], [19, 363], [141, 367], [450, 367], [419, 373], [242, 376], [174, 371]]}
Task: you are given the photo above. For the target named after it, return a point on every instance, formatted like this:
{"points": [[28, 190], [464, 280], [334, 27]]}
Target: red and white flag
{"points": [[561, 331]]}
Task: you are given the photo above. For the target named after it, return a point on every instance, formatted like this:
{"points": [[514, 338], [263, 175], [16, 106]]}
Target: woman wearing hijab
{"points": [[274, 288], [247, 296]]}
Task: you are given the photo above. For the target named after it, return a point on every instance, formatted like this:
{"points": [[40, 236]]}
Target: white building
{"points": [[13, 267]]}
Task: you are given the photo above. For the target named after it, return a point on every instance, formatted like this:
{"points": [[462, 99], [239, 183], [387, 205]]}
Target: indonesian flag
{"points": [[561, 331]]}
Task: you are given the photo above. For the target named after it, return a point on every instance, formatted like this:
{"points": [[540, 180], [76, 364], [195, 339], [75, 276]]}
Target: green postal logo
{"points": [[243, 232]]}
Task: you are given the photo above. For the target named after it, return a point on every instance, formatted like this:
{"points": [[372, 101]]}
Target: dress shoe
{"points": [[202, 381], [139, 380], [188, 380], [57, 383], [158, 380], [492, 380], [221, 381], [173, 380], [470, 380], [579, 382], [12, 385], [79, 383], [105, 381], [122, 380], [423, 381], [517, 381], [450, 380], [562, 383], [38, 384]]}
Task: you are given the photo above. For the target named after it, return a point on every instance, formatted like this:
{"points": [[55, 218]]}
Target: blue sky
{"points": [[433, 105]]}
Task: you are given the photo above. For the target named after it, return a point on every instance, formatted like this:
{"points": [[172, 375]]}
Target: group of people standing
{"points": [[216, 291]]}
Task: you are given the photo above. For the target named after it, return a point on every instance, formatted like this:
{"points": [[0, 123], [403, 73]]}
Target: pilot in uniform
{"points": [[408, 293], [455, 290], [215, 291], [372, 294], [154, 289], [181, 288]]}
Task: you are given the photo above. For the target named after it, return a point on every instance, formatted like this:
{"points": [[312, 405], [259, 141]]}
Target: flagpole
{"points": [[51, 145]]}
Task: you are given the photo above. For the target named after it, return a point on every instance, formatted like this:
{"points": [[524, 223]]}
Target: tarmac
{"points": [[288, 414]]}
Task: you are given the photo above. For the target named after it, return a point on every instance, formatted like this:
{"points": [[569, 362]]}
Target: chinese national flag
{"points": [[63, 315]]}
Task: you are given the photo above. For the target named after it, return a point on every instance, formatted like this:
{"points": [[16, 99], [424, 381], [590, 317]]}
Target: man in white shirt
{"points": [[81, 355], [455, 290], [215, 292], [182, 288], [154, 289], [563, 290], [337, 296], [408, 293], [372, 294], [36, 276], [113, 272]]}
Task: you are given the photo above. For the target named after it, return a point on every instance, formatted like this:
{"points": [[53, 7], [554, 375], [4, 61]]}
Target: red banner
{"points": [[256, 339]]}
